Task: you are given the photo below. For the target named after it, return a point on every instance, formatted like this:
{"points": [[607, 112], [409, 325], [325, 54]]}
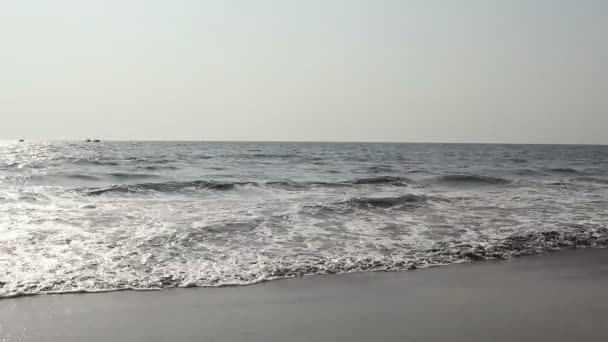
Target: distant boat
{"points": [[96, 140], [21, 140], [88, 140]]}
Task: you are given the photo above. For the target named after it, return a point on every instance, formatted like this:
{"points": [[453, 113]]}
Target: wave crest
{"points": [[126, 175], [470, 180], [165, 187], [388, 180], [214, 185], [565, 170], [387, 202], [597, 180]]}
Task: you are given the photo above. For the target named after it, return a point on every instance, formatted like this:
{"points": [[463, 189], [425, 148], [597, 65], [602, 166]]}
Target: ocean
{"points": [[88, 217]]}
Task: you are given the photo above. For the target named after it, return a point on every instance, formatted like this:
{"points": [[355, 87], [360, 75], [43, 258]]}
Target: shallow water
{"points": [[89, 217]]}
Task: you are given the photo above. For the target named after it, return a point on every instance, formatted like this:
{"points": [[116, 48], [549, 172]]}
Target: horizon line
{"points": [[306, 141]]}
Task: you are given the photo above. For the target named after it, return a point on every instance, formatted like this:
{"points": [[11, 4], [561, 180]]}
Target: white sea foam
{"points": [[192, 226]]}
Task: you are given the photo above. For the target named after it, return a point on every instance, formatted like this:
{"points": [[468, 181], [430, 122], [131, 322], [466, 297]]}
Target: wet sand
{"points": [[559, 297]]}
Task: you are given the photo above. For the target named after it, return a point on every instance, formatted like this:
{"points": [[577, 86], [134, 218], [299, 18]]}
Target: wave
{"points": [[265, 156], [165, 187], [125, 175], [450, 252], [352, 205], [26, 165], [528, 172], [130, 160], [565, 170], [79, 176], [470, 180], [95, 162], [380, 169], [523, 244], [292, 185], [387, 202], [287, 185], [10, 165], [518, 160], [597, 180], [439, 254], [389, 180], [151, 160], [157, 167], [382, 180]]}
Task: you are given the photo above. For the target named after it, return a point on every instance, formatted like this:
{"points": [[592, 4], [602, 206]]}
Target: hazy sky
{"points": [[331, 70]]}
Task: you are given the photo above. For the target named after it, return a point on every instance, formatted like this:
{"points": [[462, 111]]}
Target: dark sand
{"points": [[560, 297]]}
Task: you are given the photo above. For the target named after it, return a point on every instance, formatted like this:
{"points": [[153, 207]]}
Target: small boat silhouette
{"points": [[21, 140], [88, 140], [96, 140]]}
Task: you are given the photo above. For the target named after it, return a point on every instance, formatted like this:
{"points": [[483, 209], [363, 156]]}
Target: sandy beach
{"points": [[558, 297]]}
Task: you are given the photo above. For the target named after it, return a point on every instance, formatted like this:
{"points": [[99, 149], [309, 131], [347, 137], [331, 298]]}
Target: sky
{"points": [[511, 71]]}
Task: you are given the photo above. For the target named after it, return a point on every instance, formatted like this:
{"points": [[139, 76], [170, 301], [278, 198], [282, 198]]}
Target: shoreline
{"points": [[477, 256], [549, 297]]}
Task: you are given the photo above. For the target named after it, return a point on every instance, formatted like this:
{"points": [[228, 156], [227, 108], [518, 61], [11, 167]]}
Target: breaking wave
{"points": [[164, 187], [441, 253], [214, 185]]}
